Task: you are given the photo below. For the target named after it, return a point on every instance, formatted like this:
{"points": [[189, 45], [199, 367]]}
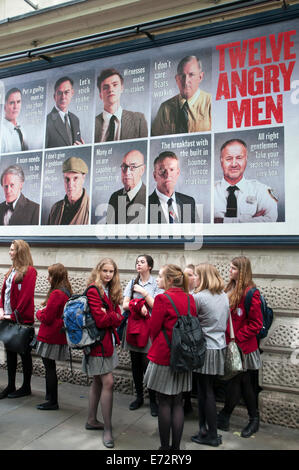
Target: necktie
{"points": [[231, 206], [23, 146], [171, 213], [111, 129], [68, 129], [183, 118]]}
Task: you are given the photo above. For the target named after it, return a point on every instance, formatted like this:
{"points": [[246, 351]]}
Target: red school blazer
{"points": [[246, 327], [22, 296], [110, 320], [164, 316], [50, 330]]}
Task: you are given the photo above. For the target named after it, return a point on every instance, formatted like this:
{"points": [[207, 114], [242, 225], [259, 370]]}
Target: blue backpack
{"points": [[267, 313], [79, 325]]}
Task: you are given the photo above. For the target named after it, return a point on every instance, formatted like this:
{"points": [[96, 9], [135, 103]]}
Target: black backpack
{"points": [[267, 313], [188, 346]]}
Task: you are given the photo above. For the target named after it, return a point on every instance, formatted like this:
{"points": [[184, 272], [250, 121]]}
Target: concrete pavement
{"points": [[23, 427]]}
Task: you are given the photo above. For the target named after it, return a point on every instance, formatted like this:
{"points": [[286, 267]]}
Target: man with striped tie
{"points": [[165, 204]]}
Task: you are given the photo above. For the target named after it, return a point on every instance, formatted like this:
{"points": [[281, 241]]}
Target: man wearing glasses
{"points": [[127, 205], [167, 206], [190, 110]]}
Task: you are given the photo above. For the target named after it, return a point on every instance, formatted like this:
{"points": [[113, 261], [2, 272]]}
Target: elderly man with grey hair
{"points": [[190, 110], [16, 209]]}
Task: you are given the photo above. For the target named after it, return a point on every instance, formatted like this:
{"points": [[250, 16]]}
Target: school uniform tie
{"points": [[111, 129], [231, 206]]}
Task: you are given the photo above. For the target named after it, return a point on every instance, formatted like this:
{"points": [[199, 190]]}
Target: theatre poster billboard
{"points": [[195, 138]]}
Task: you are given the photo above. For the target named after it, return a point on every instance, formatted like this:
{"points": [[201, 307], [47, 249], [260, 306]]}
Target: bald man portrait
{"points": [[127, 205]]}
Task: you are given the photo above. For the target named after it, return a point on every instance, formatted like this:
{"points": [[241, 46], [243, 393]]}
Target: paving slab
{"points": [[23, 427]]}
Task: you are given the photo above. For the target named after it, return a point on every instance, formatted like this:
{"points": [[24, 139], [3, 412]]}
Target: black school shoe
{"points": [[136, 404], [21, 392], [207, 440], [6, 392], [252, 427], [47, 406]]}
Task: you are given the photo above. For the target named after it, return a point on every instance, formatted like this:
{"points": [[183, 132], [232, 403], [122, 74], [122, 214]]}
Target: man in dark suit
{"points": [[16, 209], [167, 206], [127, 205], [115, 123], [63, 127]]}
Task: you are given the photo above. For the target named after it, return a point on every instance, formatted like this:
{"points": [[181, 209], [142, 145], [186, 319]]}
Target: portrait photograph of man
{"points": [[13, 135], [190, 109], [63, 126], [250, 188], [114, 122], [16, 209], [119, 183]]}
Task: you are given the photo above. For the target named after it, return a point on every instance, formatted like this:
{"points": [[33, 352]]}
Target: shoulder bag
{"points": [[16, 336], [233, 364]]}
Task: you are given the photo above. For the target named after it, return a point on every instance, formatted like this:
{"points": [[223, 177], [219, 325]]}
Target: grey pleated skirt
{"points": [[252, 361], [56, 352], [214, 362], [163, 380], [98, 365]]}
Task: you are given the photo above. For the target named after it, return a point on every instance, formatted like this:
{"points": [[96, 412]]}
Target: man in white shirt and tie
{"points": [[63, 127], [13, 138], [115, 123], [237, 199]]}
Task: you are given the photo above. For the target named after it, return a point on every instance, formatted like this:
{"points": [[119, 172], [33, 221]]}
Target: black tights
{"points": [[207, 411], [170, 418], [241, 384], [51, 380], [139, 363], [12, 360]]}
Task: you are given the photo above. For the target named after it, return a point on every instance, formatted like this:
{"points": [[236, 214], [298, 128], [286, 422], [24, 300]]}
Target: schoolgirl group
{"points": [[210, 299]]}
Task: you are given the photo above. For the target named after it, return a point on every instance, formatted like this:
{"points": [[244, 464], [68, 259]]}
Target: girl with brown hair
{"points": [[104, 297], [17, 298], [246, 327], [52, 344]]}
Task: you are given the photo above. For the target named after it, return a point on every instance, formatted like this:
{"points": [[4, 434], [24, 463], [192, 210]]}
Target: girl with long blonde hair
{"points": [[104, 296], [212, 308]]}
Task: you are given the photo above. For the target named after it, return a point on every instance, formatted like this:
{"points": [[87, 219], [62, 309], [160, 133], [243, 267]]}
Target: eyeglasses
{"points": [[133, 168]]}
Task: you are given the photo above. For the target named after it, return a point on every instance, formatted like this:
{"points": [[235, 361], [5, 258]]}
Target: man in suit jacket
{"points": [[115, 123], [165, 204], [16, 209], [127, 205], [63, 127]]}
